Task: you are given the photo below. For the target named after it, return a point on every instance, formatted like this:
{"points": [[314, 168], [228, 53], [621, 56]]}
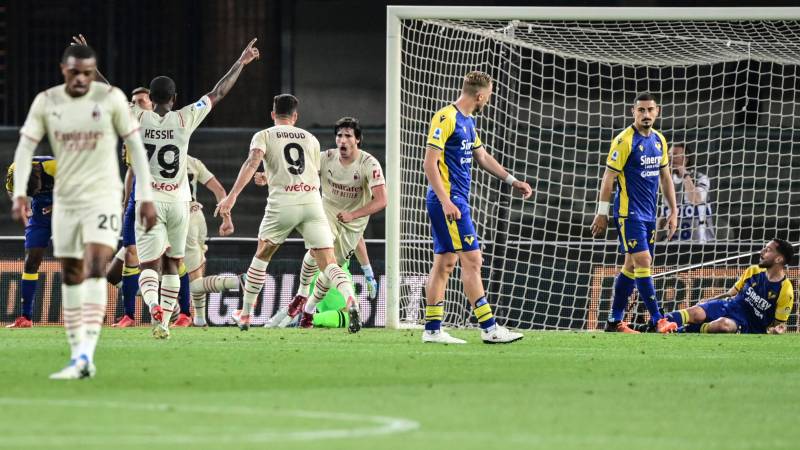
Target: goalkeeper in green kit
{"points": [[353, 188]]}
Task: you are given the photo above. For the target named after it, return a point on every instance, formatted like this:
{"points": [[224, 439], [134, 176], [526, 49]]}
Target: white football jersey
{"points": [[349, 187], [291, 162], [197, 172], [166, 139], [83, 133]]}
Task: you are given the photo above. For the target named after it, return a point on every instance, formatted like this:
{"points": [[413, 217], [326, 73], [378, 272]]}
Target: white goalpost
{"points": [[727, 80]]}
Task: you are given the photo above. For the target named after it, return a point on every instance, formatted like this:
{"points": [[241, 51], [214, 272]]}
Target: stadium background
{"points": [[331, 54]]}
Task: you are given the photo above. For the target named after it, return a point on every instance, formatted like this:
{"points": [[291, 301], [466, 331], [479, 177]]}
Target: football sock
{"points": [[680, 317], [331, 319], [433, 316], [623, 288], [148, 284], [647, 291], [73, 321], [130, 286], [483, 312], [338, 280], [199, 303], [214, 283], [28, 288], [307, 274], [95, 297], [256, 275], [183, 295], [170, 288], [320, 291]]}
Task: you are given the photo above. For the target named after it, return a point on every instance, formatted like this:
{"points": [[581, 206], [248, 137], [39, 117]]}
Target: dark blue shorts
{"points": [[635, 236], [38, 233], [452, 236], [728, 309], [128, 224]]}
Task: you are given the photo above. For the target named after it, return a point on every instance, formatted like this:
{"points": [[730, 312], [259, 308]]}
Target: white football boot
{"points": [[279, 320], [500, 335], [77, 369], [160, 331], [440, 337]]}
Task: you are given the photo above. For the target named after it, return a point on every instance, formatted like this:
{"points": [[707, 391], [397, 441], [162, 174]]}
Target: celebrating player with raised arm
{"points": [[291, 158], [452, 145], [759, 302], [166, 136], [83, 120], [639, 162]]}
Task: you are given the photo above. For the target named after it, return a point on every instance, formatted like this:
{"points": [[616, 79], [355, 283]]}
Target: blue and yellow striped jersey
{"points": [[454, 134], [764, 300], [637, 160]]}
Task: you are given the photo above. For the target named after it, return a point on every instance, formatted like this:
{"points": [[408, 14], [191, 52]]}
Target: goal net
{"points": [[562, 90]]}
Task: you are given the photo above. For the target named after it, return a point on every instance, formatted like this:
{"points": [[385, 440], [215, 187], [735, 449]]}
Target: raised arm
{"points": [[227, 81], [668, 189], [81, 40], [488, 163], [249, 168]]}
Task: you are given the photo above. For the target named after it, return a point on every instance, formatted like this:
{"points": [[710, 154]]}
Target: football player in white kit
{"points": [[353, 188], [83, 120], [166, 134], [291, 159]]}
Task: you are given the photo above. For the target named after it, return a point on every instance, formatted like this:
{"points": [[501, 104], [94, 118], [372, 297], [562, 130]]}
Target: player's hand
{"points": [[250, 53], [345, 217], [225, 206], [451, 211], [523, 188], [672, 225], [260, 179], [21, 210], [79, 40], [599, 225], [147, 215], [777, 329], [226, 228]]}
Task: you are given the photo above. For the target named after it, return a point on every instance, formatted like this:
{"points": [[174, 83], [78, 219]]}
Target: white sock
{"points": [[73, 321], [256, 275], [320, 290], [170, 287], [340, 281], [214, 283], [199, 303], [94, 310], [367, 269], [148, 285], [307, 274]]}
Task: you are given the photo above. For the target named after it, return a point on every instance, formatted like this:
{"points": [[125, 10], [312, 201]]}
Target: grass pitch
{"points": [[380, 389]]}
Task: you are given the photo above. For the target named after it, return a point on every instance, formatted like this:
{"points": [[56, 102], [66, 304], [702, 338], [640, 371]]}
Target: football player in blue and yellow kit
{"points": [[451, 146], [37, 230], [638, 161], [759, 302]]}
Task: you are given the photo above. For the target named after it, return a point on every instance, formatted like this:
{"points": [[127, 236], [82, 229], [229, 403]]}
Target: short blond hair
{"points": [[475, 81]]}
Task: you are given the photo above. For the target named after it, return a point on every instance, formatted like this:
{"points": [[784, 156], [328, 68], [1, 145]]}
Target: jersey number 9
{"points": [[296, 165]]}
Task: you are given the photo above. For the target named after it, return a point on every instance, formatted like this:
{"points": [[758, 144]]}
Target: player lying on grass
{"points": [[759, 302]]}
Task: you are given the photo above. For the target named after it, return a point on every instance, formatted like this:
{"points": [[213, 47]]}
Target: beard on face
{"points": [[765, 264]]}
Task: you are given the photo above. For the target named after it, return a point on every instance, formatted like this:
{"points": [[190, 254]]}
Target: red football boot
{"points": [[307, 320], [183, 321], [21, 322], [125, 322], [298, 302]]}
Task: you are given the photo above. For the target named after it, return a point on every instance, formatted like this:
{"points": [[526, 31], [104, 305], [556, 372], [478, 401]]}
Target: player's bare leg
{"points": [[254, 282], [443, 266], [331, 275], [85, 294]]}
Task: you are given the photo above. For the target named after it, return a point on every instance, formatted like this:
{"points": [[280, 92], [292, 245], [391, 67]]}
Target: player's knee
{"points": [[696, 314], [72, 273], [642, 260]]}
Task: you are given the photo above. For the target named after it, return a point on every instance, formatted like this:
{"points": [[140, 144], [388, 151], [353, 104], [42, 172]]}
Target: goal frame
{"points": [[394, 16]]}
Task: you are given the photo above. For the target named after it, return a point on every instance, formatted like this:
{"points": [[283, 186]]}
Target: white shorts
{"points": [[345, 238], [308, 219], [196, 240], [73, 228], [168, 235]]}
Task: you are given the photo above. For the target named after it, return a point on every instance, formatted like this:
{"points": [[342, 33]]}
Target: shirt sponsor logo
{"points": [[649, 160], [164, 187], [300, 187], [78, 140]]}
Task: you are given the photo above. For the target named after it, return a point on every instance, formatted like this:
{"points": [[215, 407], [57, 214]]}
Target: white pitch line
{"points": [[382, 425]]}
